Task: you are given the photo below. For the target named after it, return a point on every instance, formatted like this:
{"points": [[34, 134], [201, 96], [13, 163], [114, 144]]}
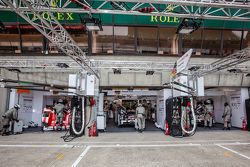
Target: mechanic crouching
{"points": [[10, 115]]}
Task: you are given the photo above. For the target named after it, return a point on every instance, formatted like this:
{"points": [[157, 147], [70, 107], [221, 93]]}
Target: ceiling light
{"points": [[188, 26]]}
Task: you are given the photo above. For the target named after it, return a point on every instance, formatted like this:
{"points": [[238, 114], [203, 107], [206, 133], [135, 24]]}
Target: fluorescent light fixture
{"points": [[186, 31], [93, 24], [92, 27], [188, 26]]}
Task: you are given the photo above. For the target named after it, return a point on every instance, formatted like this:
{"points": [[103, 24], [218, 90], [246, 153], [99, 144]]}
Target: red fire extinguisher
{"points": [[167, 130], [244, 124], [94, 129]]}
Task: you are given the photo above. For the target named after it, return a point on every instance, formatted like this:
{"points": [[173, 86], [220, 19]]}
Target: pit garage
{"points": [[124, 83]]}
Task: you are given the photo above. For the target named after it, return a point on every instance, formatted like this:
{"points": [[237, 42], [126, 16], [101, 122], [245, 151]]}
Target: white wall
{"points": [[13, 98], [237, 112], [37, 105], [3, 100], [22, 114], [218, 107], [161, 106], [244, 96]]}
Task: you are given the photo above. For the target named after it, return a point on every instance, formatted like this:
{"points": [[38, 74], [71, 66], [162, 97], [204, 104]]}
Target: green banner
{"points": [[127, 20]]}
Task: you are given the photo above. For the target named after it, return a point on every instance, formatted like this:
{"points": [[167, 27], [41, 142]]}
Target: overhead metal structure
{"points": [[204, 9], [53, 64], [224, 63], [59, 64], [52, 30]]}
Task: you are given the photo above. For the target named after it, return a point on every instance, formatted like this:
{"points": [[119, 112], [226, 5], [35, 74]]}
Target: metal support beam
{"points": [[226, 62], [53, 64]]}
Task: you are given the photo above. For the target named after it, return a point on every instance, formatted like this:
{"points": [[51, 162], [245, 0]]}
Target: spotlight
{"points": [[234, 70], [247, 75], [194, 68], [92, 24], [150, 72], [14, 70], [117, 71], [62, 65], [188, 26]]}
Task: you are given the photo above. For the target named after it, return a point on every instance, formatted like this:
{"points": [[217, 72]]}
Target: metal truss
{"points": [[52, 65], [52, 30], [55, 64], [232, 60], [237, 10]]}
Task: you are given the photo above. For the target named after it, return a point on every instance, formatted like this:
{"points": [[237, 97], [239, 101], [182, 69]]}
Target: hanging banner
{"points": [[183, 61]]}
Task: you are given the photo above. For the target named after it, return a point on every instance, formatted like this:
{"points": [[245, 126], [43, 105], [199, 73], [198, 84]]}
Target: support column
{"points": [[94, 42], [89, 42], [3, 100]]}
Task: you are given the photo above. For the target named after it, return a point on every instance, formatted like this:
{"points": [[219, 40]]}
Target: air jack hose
{"points": [[194, 119], [77, 133]]}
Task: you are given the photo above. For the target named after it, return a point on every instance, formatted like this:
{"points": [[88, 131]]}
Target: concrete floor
{"points": [[147, 149]]}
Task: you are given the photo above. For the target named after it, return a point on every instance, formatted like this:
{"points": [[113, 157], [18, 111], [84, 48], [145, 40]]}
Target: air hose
{"points": [[83, 125], [194, 119], [75, 132]]}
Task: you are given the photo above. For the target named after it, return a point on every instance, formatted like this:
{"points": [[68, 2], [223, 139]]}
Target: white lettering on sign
{"points": [[183, 61]]}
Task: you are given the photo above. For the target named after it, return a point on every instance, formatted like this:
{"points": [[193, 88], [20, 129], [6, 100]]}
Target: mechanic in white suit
{"points": [[209, 109], [140, 117]]}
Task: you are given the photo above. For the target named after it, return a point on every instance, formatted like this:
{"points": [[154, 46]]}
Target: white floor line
{"points": [[128, 142], [233, 151], [151, 145], [232, 144], [38, 146], [81, 156]]}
